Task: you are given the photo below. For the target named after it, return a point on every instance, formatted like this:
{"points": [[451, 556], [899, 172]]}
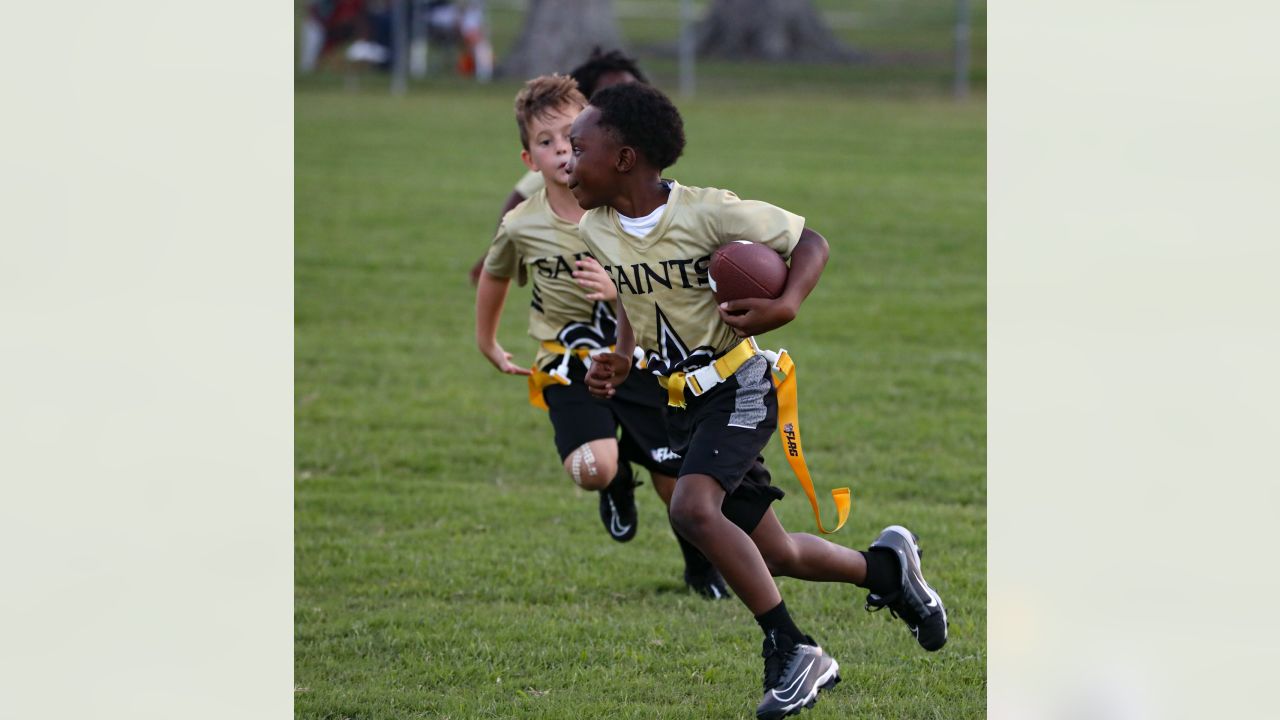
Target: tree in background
{"points": [[769, 30], [559, 34]]}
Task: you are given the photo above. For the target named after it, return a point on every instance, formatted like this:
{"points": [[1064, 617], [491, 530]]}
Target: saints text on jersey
{"points": [[551, 267], [640, 278]]}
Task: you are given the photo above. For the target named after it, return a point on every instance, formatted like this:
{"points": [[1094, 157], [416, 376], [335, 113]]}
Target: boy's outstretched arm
{"points": [[609, 370], [756, 316], [491, 295]]}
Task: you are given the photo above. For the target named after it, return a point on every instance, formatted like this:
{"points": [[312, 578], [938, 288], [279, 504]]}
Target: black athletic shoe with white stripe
{"points": [[707, 582], [915, 603], [618, 507], [793, 675], [699, 574]]}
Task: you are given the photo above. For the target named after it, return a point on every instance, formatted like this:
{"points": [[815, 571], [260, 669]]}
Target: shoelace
{"points": [[775, 660], [889, 602], [878, 608], [885, 602], [892, 602]]}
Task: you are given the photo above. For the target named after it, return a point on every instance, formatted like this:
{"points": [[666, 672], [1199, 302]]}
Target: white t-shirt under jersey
{"points": [[639, 227]]}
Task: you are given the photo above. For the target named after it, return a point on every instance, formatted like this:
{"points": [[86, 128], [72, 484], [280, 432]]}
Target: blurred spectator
{"points": [[365, 26], [453, 22], [330, 23]]}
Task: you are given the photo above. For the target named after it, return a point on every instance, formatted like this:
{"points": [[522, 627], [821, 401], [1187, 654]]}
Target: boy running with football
{"points": [[655, 237], [572, 319]]}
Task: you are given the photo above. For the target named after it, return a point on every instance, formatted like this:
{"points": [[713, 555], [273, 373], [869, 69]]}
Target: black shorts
{"points": [[722, 433], [638, 407]]}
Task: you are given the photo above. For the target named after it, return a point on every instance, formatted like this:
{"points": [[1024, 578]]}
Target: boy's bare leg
{"points": [[804, 556], [664, 485], [695, 512], [593, 465], [699, 573]]}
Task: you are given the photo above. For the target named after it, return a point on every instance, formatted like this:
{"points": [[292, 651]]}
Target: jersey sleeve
{"points": [[759, 222], [531, 183], [503, 258]]}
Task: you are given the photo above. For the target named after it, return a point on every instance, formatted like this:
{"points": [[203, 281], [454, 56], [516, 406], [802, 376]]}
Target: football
{"points": [[743, 269]]}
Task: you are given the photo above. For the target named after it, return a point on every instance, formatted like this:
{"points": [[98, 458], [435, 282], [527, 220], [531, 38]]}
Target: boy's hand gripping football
{"points": [[593, 278], [756, 316], [608, 371]]}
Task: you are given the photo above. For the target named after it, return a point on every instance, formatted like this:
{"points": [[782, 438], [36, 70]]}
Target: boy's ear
{"points": [[626, 159], [527, 159]]}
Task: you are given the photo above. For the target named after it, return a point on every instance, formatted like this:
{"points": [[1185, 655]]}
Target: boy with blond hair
{"points": [[600, 70], [573, 321]]}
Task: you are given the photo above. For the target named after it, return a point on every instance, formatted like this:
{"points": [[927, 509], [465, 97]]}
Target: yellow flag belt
{"points": [[539, 379], [700, 381], [789, 434]]}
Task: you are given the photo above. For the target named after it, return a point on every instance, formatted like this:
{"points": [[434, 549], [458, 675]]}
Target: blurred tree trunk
{"points": [[769, 30], [558, 35]]}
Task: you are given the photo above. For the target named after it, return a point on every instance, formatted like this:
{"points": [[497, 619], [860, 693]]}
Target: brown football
{"points": [[742, 269]]}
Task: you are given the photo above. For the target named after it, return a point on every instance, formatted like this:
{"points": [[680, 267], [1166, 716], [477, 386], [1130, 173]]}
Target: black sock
{"points": [[694, 560], [884, 572], [624, 475], [780, 620]]}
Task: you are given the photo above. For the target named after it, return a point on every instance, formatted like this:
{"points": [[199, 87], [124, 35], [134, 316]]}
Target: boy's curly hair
{"points": [[642, 117], [542, 96], [588, 73]]}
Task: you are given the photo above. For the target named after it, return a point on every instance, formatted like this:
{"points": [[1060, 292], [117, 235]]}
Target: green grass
{"points": [[446, 568]]}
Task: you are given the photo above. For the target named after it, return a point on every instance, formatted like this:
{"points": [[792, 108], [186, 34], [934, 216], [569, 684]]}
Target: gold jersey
{"points": [[531, 183], [662, 277], [547, 244]]}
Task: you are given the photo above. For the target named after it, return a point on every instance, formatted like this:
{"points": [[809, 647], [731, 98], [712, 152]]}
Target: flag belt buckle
{"points": [[698, 382]]}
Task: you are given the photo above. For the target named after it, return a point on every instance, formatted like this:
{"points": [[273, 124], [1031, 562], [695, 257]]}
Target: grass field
{"points": [[446, 567]]}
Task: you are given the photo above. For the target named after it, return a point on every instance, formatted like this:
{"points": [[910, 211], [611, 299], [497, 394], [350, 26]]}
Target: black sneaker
{"points": [[915, 603], [707, 582], [793, 675], [699, 574], [618, 506]]}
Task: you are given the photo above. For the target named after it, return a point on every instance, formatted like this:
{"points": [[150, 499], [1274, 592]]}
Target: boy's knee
{"points": [[588, 469], [692, 519], [780, 560]]}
